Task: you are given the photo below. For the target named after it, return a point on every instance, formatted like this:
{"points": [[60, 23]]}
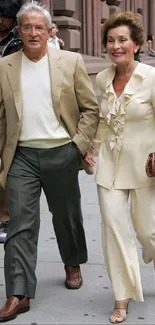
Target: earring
{"points": [[135, 51]]}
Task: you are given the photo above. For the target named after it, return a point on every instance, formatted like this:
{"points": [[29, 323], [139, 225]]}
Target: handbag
{"points": [[150, 165]]}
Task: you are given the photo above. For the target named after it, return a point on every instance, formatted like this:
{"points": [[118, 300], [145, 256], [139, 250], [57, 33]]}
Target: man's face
{"points": [[7, 24], [34, 32], [54, 30]]}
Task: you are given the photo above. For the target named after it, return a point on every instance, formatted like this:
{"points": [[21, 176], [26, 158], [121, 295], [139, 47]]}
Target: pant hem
{"points": [[19, 288]]}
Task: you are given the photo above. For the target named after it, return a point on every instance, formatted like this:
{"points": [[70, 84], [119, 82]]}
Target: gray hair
{"points": [[34, 6]]}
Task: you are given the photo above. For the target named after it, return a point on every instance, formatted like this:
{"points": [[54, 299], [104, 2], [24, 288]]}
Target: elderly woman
{"points": [[127, 135]]}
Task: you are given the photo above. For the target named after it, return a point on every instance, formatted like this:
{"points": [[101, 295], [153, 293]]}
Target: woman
{"points": [[149, 48], [126, 133]]}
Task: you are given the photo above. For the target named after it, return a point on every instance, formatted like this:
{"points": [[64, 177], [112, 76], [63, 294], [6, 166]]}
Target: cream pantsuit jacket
{"points": [[73, 98], [126, 132]]}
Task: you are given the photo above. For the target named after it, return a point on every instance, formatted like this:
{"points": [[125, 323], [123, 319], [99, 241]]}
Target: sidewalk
{"points": [[92, 304]]}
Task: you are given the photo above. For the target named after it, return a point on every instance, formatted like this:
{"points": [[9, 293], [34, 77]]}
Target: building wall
{"points": [[80, 21]]}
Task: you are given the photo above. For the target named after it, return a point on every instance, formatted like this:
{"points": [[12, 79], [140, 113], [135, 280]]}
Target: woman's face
{"points": [[120, 46]]}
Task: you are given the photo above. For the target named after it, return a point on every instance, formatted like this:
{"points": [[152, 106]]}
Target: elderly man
{"points": [[48, 118], [10, 42]]}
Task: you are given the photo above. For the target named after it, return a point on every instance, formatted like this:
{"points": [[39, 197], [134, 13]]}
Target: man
{"points": [[48, 118], [54, 41], [10, 42]]}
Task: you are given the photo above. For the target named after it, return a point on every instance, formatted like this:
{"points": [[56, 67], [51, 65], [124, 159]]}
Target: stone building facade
{"points": [[80, 23]]}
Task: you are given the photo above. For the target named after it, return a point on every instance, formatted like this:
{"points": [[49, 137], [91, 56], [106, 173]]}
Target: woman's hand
{"points": [[89, 158]]}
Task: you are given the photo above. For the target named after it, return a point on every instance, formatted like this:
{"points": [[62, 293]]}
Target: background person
{"points": [[10, 42], [54, 41], [50, 124], [149, 46], [137, 55], [126, 133]]}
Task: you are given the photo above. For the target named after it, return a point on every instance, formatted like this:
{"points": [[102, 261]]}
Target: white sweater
{"points": [[40, 127]]}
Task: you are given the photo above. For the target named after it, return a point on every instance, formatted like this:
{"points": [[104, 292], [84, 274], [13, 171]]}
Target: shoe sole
{"points": [[6, 319], [73, 288]]}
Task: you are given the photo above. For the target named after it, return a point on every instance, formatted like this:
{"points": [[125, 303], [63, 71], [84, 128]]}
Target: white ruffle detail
{"points": [[116, 142], [115, 118]]}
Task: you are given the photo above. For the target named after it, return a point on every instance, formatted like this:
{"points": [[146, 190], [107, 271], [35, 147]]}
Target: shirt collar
{"points": [[137, 77]]}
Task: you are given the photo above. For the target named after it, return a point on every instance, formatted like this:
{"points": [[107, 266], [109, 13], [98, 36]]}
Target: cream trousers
{"points": [[119, 247]]}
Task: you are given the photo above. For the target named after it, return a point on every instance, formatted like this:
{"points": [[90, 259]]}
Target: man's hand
{"points": [[89, 158], [61, 42]]}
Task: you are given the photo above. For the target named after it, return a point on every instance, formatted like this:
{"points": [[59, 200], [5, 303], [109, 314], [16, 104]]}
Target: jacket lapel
{"points": [[14, 76], [56, 76], [133, 84], [135, 81]]}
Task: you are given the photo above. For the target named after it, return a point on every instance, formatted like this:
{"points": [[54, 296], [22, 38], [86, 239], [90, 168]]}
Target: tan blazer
{"points": [[73, 97], [126, 130]]}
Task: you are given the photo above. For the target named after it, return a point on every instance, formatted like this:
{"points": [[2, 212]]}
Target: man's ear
{"points": [[50, 32]]}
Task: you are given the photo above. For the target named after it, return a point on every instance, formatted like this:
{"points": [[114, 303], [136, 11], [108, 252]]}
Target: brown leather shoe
{"points": [[73, 277], [13, 307]]}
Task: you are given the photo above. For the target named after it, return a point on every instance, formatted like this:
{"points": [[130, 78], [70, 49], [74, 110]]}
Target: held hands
{"points": [[89, 158]]}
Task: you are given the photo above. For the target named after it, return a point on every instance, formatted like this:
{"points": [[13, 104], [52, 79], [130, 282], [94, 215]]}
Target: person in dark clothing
{"points": [[137, 56], [10, 42]]}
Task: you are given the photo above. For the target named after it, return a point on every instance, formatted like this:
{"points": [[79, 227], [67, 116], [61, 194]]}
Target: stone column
{"points": [[47, 3], [104, 13], [128, 4], [69, 27], [122, 6], [97, 28], [152, 19], [146, 18], [89, 27], [113, 6], [83, 30], [133, 5], [93, 27]]}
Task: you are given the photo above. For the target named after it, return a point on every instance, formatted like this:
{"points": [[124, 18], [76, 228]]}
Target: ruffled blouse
{"points": [[115, 118], [126, 132]]}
